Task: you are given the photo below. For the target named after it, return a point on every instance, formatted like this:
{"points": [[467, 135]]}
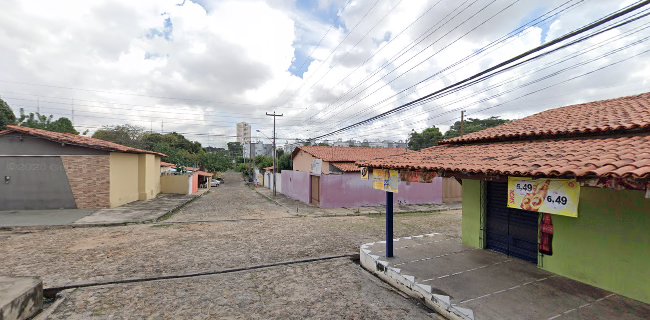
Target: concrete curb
{"points": [[409, 284], [162, 217]]}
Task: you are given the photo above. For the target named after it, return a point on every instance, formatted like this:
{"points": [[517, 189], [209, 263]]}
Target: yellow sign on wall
{"points": [[555, 196], [364, 173], [385, 180]]}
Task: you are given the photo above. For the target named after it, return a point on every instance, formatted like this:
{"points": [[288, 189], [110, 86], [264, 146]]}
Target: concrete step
{"points": [[20, 297]]}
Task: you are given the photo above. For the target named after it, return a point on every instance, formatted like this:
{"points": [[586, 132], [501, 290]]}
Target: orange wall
{"points": [[302, 162]]}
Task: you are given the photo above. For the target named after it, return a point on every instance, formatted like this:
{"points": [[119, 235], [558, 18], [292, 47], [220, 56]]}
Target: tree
{"points": [[127, 135], [427, 138], [235, 149], [285, 162], [263, 162], [474, 125], [7, 115], [40, 121], [215, 162]]}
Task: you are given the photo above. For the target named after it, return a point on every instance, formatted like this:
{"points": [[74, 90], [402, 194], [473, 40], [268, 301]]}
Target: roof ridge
{"points": [[78, 140], [608, 115]]}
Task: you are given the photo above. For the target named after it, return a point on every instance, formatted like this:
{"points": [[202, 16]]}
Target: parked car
{"points": [[215, 183]]}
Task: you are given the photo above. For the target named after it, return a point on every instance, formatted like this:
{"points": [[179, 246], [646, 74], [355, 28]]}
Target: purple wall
{"points": [[348, 190], [295, 185]]}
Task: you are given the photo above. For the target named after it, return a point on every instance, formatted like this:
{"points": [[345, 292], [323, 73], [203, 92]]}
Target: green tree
{"points": [[214, 162], [7, 115], [427, 138], [474, 125], [263, 162], [127, 135], [40, 121], [285, 162], [235, 149]]}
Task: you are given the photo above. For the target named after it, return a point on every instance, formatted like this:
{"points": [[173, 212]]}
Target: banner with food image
{"points": [[554, 196]]}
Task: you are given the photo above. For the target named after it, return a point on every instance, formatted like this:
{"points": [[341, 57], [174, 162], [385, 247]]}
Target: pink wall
{"points": [[195, 183], [348, 190], [295, 185]]}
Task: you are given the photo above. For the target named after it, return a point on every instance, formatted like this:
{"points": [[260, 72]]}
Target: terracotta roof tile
{"points": [[620, 114], [73, 139], [349, 154], [346, 166], [167, 164], [621, 156]]}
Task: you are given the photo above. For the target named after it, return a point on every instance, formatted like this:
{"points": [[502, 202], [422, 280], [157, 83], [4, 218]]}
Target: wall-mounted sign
{"points": [[317, 167], [555, 196], [364, 173], [385, 180]]}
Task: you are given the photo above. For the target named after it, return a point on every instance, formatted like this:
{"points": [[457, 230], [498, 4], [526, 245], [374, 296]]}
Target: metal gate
{"points": [[510, 231], [315, 190]]}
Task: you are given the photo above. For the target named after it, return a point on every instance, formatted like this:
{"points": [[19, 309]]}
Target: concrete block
{"points": [[20, 297]]}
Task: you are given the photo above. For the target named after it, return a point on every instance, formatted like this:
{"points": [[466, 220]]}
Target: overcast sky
{"points": [[199, 67]]}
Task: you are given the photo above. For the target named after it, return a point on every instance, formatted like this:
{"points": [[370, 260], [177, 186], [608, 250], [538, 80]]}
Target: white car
{"points": [[215, 183]]}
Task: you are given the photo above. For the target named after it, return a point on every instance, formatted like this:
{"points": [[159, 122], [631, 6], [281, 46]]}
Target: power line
{"points": [[502, 41], [545, 67], [496, 67], [342, 104]]}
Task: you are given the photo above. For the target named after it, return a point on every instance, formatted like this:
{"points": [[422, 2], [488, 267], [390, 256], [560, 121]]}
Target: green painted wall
{"points": [[472, 208], [607, 246]]}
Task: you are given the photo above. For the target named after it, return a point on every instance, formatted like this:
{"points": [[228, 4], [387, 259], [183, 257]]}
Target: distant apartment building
{"points": [[243, 133], [255, 149]]}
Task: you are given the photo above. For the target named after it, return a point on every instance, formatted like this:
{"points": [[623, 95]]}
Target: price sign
{"points": [[555, 196], [524, 187]]}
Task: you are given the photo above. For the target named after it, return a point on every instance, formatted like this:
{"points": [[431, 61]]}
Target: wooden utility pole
{"points": [[462, 123], [275, 161]]}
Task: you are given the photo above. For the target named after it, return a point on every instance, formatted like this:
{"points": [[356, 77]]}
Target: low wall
{"points": [[268, 181], [349, 190], [176, 184], [294, 184]]}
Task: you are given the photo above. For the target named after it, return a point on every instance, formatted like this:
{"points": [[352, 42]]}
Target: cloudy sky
{"points": [[199, 67]]}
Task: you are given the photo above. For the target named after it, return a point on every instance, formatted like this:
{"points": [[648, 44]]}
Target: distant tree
{"points": [[427, 138], [285, 162], [235, 149], [474, 125], [126, 134], [323, 144], [39, 121], [215, 162], [263, 162], [7, 115]]}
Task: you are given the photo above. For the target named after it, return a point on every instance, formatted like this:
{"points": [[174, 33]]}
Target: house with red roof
{"points": [[49, 170], [567, 189], [329, 178]]}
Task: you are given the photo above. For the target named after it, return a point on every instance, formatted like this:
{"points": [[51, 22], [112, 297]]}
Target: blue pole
{"points": [[389, 224]]}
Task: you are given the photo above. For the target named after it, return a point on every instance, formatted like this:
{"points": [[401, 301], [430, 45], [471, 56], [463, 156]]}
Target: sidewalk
{"points": [[466, 283], [134, 212], [299, 208]]}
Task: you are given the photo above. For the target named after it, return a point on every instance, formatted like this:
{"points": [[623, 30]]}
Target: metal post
{"points": [[389, 224]]}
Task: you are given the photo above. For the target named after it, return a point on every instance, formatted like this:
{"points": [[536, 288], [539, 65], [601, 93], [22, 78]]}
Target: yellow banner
{"points": [[555, 196], [385, 180]]}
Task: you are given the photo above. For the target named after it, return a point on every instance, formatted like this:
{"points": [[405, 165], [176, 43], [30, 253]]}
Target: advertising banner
{"points": [[409, 176], [385, 180], [554, 196]]}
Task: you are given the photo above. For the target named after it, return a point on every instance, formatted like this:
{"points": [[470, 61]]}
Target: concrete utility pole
{"points": [[462, 123], [275, 161]]}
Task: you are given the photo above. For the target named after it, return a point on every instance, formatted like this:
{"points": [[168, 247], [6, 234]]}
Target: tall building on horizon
{"points": [[243, 133]]}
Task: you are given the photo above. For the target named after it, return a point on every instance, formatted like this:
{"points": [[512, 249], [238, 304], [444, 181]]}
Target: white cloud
{"points": [[227, 61]]}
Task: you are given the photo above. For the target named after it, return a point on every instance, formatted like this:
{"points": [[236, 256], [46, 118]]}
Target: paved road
{"points": [[244, 231]]}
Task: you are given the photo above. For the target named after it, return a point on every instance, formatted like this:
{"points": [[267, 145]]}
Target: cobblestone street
{"points": [[232, 227]]}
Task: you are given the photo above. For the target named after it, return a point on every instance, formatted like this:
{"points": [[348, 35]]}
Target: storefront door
{"points": [[510, 231]]}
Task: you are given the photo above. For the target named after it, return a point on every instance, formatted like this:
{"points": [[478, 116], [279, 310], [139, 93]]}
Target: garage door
{"points": [[510, 231]]}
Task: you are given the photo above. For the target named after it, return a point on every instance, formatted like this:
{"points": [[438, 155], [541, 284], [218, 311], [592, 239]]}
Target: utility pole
{"points": [[72, 110], [38, 105], [275, 161], [462, 123]]}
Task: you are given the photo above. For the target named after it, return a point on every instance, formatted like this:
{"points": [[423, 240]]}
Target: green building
{"points": [[567, 189]]}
